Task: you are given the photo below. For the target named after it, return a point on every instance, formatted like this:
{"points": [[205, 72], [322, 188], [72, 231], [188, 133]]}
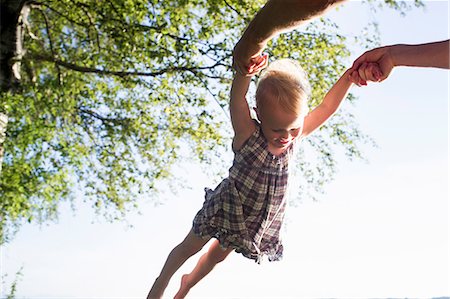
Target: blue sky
{"points": [[380, 230]]}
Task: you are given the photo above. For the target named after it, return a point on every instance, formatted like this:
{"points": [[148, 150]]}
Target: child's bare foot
{"points": [[184, 288]]}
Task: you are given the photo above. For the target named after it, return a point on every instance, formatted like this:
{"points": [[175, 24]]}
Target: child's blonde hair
{"points": [[288, 82]]}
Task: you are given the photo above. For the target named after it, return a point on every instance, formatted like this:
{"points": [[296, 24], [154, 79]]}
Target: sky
{"points": [[380, 230]]}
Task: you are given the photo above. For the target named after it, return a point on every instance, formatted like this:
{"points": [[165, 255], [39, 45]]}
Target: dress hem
{"points": [[227, 240]]}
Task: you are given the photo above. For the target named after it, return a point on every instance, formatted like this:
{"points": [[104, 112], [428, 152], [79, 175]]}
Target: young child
{"points": [[245, 211]]}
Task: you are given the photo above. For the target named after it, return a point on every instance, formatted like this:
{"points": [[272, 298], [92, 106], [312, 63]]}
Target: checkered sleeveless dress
{"points": [[246, 210]]}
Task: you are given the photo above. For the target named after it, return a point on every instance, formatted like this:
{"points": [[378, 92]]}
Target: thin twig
{"points": [[232, 8], [83, 69], [37, 4], [227, 115], [97, 38], [47, 28]]}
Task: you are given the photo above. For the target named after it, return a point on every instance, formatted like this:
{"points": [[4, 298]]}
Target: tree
{"points": [[102, 97]]}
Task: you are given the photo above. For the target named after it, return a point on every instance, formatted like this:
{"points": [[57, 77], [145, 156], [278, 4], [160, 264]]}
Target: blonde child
{"points": [[245, 211]]}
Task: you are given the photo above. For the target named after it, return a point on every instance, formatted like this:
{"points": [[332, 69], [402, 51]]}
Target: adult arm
{"points": [[434, 54], [276, 17]]}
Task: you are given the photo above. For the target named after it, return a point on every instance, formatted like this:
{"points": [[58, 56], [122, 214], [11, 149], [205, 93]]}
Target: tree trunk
{"points": [[12, 12]]}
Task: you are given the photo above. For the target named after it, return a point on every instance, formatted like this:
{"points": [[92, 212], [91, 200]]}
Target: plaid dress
{"points": [[246, 210]]}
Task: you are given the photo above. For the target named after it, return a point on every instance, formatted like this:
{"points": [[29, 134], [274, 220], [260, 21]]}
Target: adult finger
{"points": [[360, 60]]}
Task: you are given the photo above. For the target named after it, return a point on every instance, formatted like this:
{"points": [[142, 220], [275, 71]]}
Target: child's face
{"points": [[279, 127]]}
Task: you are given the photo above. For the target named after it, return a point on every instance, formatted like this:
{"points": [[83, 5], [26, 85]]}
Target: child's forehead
{"points": [[269, 96], [273, 105], [276, 117]]}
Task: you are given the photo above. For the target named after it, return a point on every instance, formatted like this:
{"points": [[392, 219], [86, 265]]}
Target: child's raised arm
{"points": [[241, 120], [334, 98], [329, 105]]}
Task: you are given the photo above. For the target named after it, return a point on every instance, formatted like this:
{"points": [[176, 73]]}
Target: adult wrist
{"points": [[398, 54], [253, 40]]}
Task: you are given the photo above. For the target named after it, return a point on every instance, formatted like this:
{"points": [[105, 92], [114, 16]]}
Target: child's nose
{"points": [[285, 135]]}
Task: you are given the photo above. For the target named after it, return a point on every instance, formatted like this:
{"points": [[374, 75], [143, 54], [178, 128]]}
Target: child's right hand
{"points": [[259, 64], [367, 71]]}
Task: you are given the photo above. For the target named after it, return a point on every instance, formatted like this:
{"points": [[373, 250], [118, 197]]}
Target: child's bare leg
{"points": [[190, 246], [205, 264]]}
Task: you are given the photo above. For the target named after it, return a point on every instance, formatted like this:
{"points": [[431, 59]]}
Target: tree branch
{"points": [[84, 69], [37, 4], [50, 42], [88, 15], [105, 120], [120, 22], [233, 9], [225, 112]]}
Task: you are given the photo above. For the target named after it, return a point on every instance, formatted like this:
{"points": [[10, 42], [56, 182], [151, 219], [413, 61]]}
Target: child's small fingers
{"points": [[362, 71], [251, 68], [359, 77], [354, 77], [263, 60], [259, 64], [362, 74], [374, 73], [368, 73], [254, 63]]}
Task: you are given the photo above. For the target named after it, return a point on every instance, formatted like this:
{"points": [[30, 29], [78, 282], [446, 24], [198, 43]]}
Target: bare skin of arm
{"points": [[329, 105], [276, 17], [241, 120], [435, 55]]}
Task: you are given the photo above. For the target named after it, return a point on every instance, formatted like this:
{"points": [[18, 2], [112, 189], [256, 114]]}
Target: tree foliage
{"points": [[110, 91]]}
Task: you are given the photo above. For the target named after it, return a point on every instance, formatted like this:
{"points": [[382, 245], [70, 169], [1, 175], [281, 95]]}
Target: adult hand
{"points": [[247, 57], [366, 72], [363, 68]]}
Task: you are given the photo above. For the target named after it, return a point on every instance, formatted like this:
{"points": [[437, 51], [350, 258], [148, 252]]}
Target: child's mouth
{"points": [[283, 141]]}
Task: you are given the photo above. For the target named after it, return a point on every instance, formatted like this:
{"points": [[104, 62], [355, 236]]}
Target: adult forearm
{"points": [[279, 16], [434, 54], [275, 17]]}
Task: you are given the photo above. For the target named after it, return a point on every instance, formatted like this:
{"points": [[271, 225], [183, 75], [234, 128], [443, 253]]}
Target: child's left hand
{"points": [[368, 71]]}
